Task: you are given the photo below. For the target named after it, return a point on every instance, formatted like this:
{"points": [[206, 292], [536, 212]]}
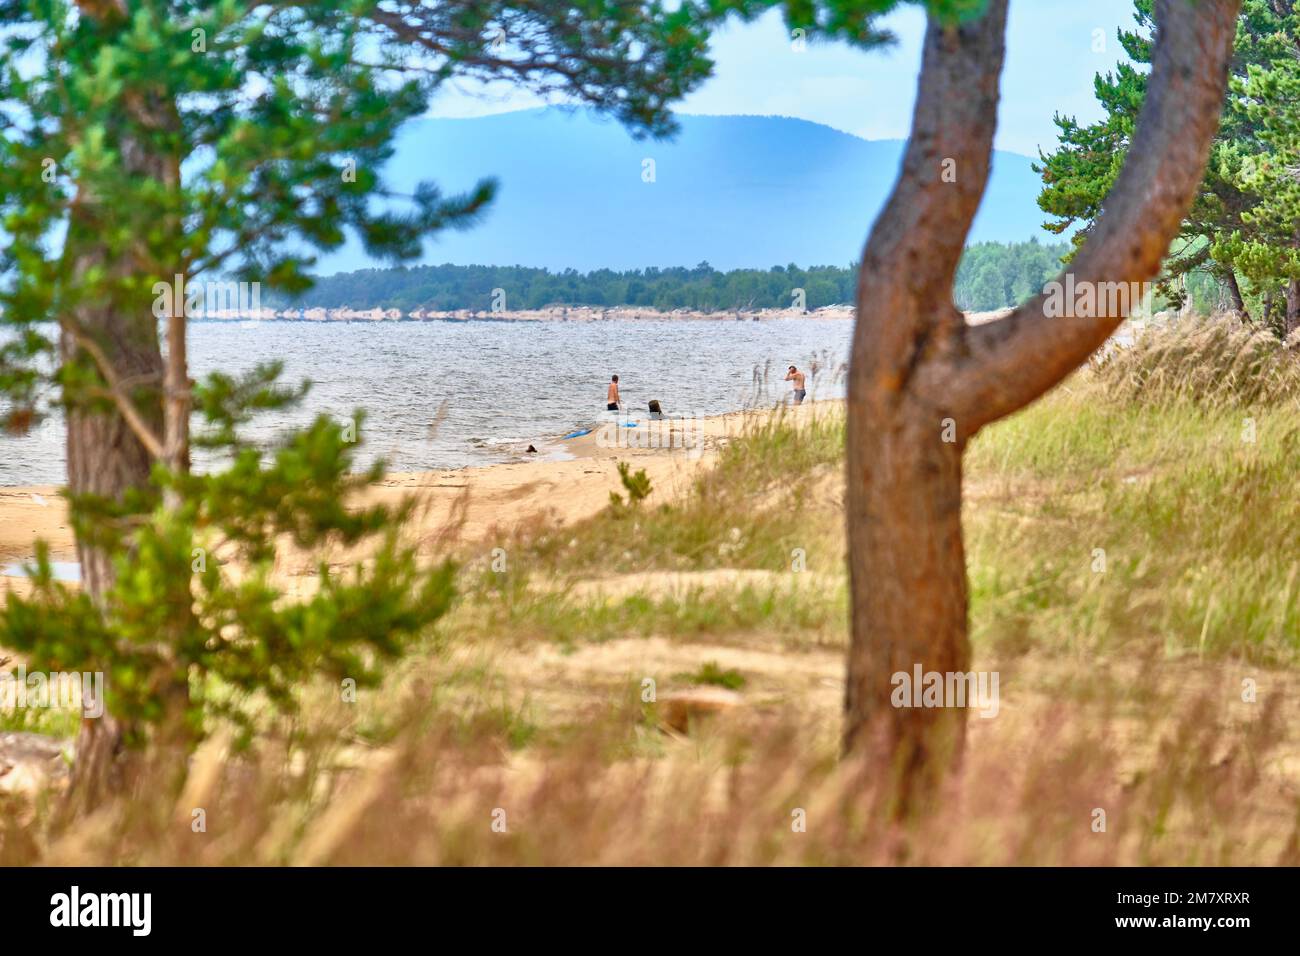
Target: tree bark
{"points": [[106, 457], [1235, 298], [922, 382], [111, 447], [906, 559], [178, 394], [1292, 320]]}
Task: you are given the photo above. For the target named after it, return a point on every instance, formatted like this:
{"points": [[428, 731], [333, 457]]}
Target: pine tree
{"points": [[923, 382], [150, 147], [1266, 249], [1228, 232]]}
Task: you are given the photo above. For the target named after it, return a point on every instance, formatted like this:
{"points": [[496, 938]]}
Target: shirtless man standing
{"points": [[611, 397], [796, 376]]}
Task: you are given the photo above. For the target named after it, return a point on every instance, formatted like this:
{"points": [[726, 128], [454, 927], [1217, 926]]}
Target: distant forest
{"points": [[992, 276]]}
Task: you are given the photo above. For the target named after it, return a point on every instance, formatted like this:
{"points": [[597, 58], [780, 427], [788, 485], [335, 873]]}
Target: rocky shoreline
{"points": [[550, 314]]}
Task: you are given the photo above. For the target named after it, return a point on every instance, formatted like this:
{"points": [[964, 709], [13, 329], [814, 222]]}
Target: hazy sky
{"points": [[1054, 48]]}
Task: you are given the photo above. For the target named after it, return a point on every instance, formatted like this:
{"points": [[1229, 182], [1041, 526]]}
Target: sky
{"points": [[1054, 49]]}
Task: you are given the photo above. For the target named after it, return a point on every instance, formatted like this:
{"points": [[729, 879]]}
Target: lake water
{"points": [[502, 385]]}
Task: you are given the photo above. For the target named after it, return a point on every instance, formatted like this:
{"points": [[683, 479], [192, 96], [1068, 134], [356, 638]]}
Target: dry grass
{"points": [[1160, 691], [1209, 361], [1181, 779]]}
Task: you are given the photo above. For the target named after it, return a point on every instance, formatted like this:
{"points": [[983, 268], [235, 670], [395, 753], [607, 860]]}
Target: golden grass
{"points": [[1159, 691]]}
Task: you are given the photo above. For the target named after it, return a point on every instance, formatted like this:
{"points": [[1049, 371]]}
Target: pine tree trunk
{"points": [[1292, 319], [1235, 300], [908, 572], [906, 561], [923, 382], [106, 458], [106, 453]]}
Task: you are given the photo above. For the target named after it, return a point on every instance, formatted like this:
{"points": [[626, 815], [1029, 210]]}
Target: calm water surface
{"points": [[503, 385]]}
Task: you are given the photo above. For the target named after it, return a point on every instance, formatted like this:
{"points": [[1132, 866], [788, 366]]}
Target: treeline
{"points": [[449, 287], [995, 275], [992, 276]]}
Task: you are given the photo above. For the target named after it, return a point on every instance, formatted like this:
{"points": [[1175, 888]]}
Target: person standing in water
{"points": [[796, 376], [611, 396]]}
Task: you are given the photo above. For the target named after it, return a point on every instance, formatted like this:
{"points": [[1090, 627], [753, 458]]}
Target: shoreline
{"points": [[579, 314], [571, 483]]}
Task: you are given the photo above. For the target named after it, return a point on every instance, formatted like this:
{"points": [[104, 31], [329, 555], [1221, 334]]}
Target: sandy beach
{"points": [[567, 481]]}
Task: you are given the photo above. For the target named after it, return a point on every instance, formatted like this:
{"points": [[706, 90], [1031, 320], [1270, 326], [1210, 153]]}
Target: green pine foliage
{"points": [[1265, 247], [219, 140], [1242, 224], [195, 593], [636, 484]]}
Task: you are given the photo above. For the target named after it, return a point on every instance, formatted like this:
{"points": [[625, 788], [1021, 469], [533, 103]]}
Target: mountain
{"points": [[735, 191]]}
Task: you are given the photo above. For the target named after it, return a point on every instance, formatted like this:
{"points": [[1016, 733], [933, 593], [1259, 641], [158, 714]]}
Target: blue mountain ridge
{"points": [[735, 191]]}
